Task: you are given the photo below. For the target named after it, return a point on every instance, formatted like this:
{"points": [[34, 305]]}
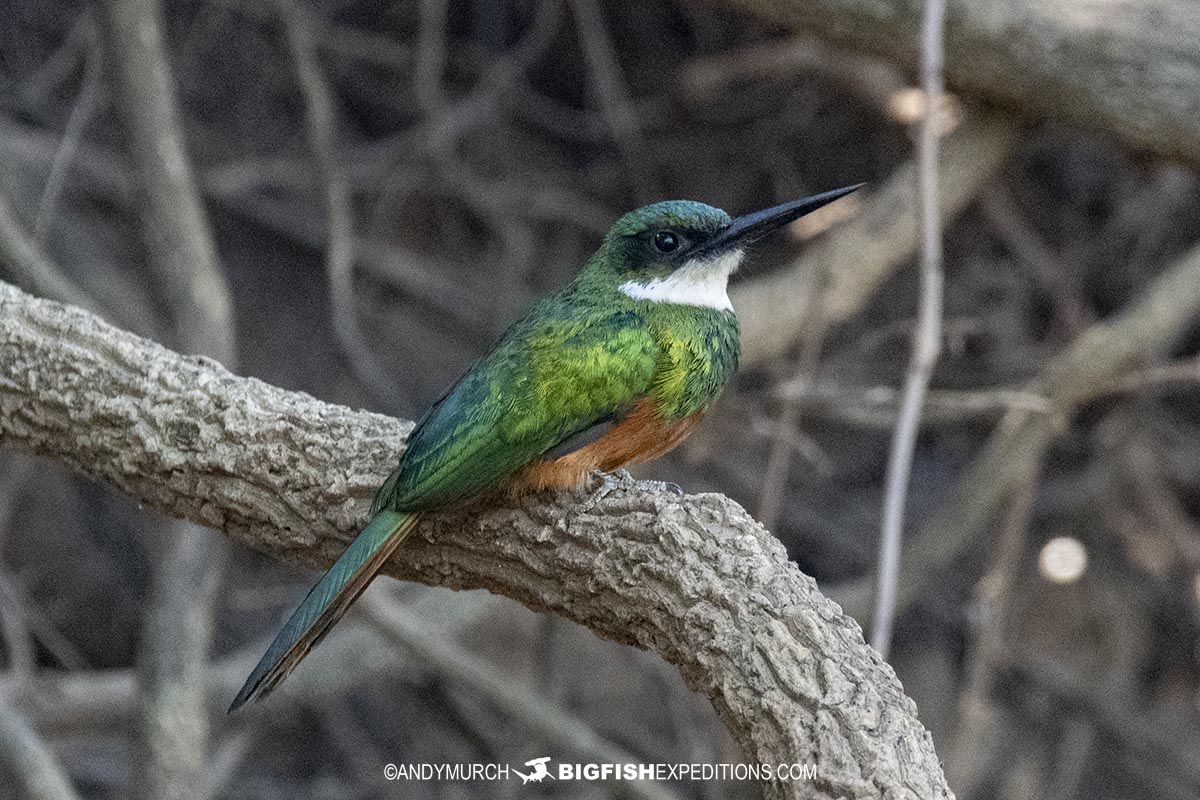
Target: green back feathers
{"points": [[557, 371], [581, 356]]}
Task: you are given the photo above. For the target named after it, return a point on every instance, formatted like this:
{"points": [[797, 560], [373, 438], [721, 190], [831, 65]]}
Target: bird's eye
{"points": [[666, 242]]}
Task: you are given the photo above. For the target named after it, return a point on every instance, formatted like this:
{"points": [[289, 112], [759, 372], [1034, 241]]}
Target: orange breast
{"points": [[641, 436]]}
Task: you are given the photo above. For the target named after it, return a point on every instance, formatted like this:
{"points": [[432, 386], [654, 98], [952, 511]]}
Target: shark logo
{"points": [[538, 772]]}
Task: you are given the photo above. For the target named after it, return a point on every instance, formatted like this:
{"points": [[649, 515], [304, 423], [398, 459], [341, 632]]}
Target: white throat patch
{"points": [[699, 282]]}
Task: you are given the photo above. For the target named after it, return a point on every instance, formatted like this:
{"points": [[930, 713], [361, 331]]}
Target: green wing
{"points": [[555, 373]]}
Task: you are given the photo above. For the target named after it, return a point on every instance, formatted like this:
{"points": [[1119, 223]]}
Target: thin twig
{"points": [[77, 122], [615, 101], [37, 88], [21, 257], [861, 254], [431, 56], [873, 79], [1051, 271], [448, 122], [928, 337], [28, 760], [18, 641], [878, 406], [770, 496], [990, 654], [40, 626], [352, 43], [1186, 371], [1121, 715], [1161, 504], [339, 247]]}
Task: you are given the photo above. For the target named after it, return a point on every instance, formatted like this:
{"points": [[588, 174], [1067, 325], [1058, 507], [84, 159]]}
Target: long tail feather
{"points": [[326, 602]]}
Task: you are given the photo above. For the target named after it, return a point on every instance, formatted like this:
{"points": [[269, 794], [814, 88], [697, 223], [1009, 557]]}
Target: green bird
{"points": [[615, 368]]}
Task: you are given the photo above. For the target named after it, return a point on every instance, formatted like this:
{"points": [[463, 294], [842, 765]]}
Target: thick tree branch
{"points": [[695, 579], [1128, 66]]}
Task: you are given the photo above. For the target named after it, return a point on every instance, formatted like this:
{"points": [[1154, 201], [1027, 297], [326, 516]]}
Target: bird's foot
{"points": [[609, 483], [621, 479]]}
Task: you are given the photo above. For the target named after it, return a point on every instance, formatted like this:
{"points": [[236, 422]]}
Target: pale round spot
{"points": [[907, 106], [1062, 560]]}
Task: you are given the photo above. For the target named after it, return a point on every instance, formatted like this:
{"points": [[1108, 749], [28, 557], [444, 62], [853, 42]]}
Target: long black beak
{"points": [[745, 229]]}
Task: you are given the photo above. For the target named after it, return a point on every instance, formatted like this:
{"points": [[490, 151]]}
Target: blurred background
{"points": [[470, 155]]}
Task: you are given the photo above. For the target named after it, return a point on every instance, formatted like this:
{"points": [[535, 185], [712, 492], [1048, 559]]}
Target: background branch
{"points": [[1089, 368], [406, 630], [178, 627], [23, 258], [927, 338], [320, 121], [859, 256], [1127, 67], [28, 760]]}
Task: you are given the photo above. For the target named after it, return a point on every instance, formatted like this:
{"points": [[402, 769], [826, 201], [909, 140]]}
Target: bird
{"points": [[614, 369]]}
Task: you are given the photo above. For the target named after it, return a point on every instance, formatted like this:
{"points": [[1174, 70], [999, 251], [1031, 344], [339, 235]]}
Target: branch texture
{"points": [[694, 579]]}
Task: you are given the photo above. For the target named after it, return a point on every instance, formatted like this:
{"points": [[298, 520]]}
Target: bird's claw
{"points": [[661, 486]]}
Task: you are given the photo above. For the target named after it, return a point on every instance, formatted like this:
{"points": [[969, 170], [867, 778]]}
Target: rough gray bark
{"points": [[1129, 66], [695, 578]]}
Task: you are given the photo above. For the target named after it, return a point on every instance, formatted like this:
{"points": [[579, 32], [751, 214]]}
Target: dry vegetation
{"points": [[475, 153]]}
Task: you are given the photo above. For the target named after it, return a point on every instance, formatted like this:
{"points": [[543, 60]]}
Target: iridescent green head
{"points": [[681, 251]]}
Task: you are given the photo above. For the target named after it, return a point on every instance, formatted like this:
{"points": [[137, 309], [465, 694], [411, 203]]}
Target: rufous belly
{"points": [[641, 436]]}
